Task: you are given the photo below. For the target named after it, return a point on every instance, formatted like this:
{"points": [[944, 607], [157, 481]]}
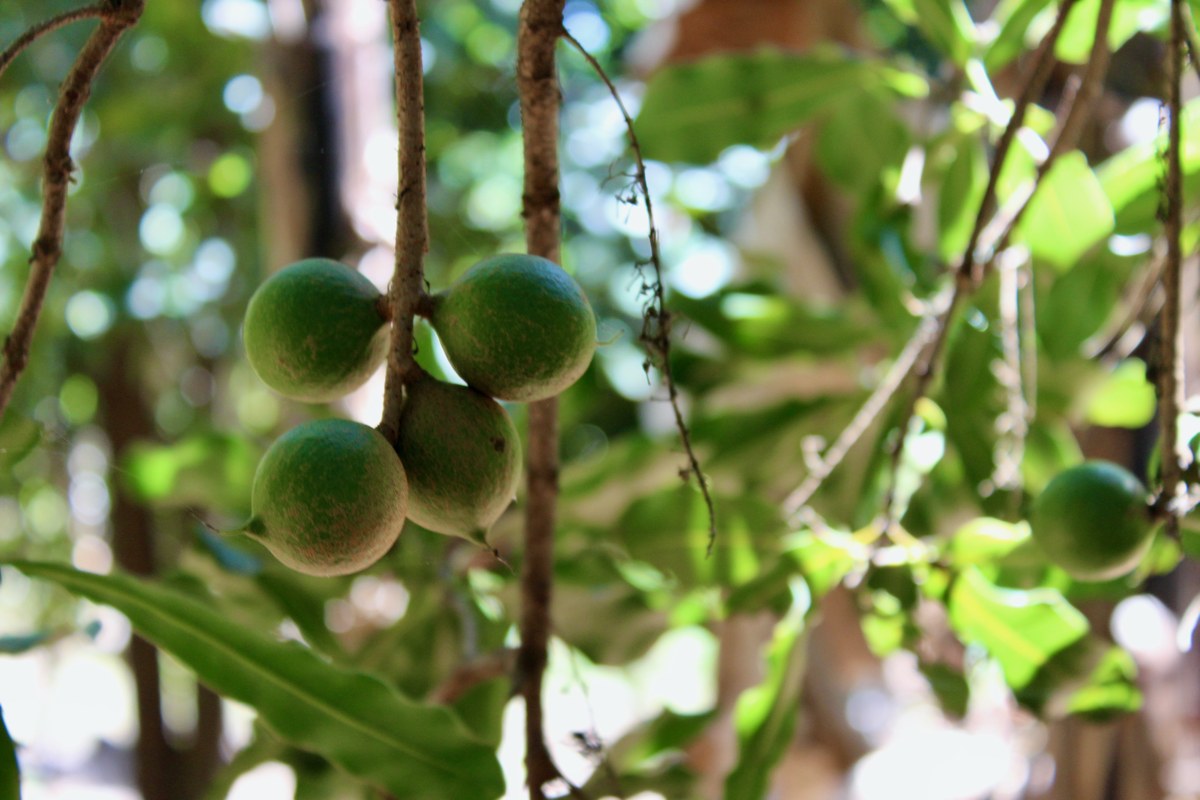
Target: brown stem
{"points": [[118, 16], [1170, 372], [42, 28], [656, 320], [537, 82], [412, 227]]}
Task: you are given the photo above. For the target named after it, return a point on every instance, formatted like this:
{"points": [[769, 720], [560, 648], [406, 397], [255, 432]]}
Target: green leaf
{"points": [[670, 530], [1021, 629], [355, 720], [1091, 678], [756, 320], [693, 111], [765, 716], [949, 685], [984, 541], [1131, 177], [1015, 18], [1125, 400], [946, 24], [10, 776], [962, 187], [212, 469], [1069, 213], [1074, 44], [825, 558], [862, 138]]}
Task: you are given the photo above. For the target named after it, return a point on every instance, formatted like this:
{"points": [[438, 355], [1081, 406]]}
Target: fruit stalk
{"points": [[119, 15], [1170, 368], [537, 83], [407, 289]]}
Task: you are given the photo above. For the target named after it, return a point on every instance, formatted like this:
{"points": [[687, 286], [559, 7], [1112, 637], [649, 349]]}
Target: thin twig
{"points": [[472, 673], [1013, 426], [656, 319], [1170, 366], [48, 26], [118, 16], [539, 27], [970, 272], [1140, 307], [828, 461], [1080, 108], [407, 289]]}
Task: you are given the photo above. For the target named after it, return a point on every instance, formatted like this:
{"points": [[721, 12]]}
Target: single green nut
{"points": [[1092, 520], [462, 455], [516, 327], [329, 497], [314, 331]]}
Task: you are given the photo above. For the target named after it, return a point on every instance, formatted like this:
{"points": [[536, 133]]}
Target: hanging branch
{"points": [[116, 17], [1170, 366], [537, 83], [407, 290], [49, 26], [656, 319]]}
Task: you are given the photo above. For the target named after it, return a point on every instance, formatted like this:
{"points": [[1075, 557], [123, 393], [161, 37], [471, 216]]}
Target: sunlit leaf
{"points": [[1092, 678], [693, 111], [985, 540], [1074, 44], [1015, 17], [765, 716], [1069, 213], [962, 187], [1131, 177], [1021, 629], [825, 558], [361, 724], [10, 776], [946, 23], [1125, 400]]}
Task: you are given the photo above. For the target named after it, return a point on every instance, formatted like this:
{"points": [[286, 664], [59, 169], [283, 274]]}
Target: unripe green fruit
{"points": [[314, 332], [516, 327], [462, 455], [329, 497], [1092, 521]]}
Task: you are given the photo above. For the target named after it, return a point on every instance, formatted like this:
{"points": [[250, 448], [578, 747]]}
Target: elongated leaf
{"points": [[1069, 214], [353, 719], [10, 777], [765, 716], [1021, 629], [693, 111]]}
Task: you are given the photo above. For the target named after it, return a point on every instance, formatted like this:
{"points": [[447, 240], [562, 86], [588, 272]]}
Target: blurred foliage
{"points": [[138, 393]]}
